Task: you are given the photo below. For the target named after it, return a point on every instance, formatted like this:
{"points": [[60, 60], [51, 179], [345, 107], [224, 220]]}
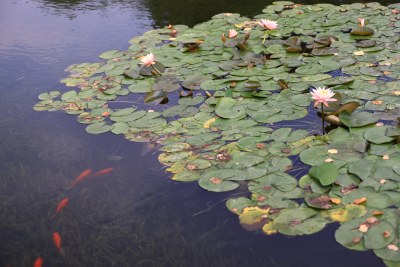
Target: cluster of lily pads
{"points": [[229, 101]]}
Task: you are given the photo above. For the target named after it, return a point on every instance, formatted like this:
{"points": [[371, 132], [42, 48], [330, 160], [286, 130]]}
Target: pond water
{"points": [[136, 215]]}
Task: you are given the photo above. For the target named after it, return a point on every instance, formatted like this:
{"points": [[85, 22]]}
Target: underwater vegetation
{"points": [[235, 114]]}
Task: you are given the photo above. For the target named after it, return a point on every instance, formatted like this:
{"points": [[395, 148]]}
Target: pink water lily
{"points": [[232, 33], [362, 22], [148, 60], [268, 24], [322, 95]]}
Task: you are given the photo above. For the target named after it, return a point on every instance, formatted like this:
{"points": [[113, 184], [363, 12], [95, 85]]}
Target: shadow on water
{"points": [[134, 216]]}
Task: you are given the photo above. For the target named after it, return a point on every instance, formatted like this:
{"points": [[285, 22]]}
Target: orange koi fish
{"points": [[81, 177], [38, 262], [63, 203], [57, 242], [104, 171]]}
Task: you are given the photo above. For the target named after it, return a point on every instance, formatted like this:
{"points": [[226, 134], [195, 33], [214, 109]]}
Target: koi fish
{"points": [[81, 177], [63, 203], [104, 171], [57, 242], [38, 262]]}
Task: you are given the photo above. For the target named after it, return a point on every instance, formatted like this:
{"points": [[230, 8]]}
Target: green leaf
{"points": [[326, 173], [356, 119], [98, 128], [236, 205], [377, 135], [226, 108]]}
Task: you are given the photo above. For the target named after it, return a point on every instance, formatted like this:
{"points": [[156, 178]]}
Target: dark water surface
{"points": [[135, 216]]}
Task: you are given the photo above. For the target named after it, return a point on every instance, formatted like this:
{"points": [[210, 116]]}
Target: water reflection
{"points": [[72, 8], [164, 12]]}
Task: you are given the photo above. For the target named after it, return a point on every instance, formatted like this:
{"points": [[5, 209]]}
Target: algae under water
{"points": [[137, 217]]}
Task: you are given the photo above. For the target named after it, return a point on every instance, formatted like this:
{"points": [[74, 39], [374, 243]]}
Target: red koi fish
{"points": [[38, 262], [57, 242], [104, 171], [81, 177], [63, 203]]}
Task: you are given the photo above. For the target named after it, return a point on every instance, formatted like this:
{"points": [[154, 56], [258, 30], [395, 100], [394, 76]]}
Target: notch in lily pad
{"points": [[326, 173]]}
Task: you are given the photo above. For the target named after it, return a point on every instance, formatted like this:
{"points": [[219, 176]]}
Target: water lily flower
{"points": [[322, 95], [268, 24], [232, 33], [362, 22], [148, 60]]}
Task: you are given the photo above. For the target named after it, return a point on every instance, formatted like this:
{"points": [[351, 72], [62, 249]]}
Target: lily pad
{"points": [[357, 119]]}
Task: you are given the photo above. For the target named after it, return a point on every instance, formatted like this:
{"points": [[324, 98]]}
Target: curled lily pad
{"points": [[362, 31]]}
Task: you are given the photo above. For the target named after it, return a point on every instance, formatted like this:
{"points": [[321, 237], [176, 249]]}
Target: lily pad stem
{"points": [[323, 118], [265, 36], [157, 71]]}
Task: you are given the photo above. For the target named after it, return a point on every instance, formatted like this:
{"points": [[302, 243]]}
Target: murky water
{"points": [[134, 216]]}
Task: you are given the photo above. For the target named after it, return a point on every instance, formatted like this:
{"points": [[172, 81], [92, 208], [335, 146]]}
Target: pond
{"points": [[132, 214]]}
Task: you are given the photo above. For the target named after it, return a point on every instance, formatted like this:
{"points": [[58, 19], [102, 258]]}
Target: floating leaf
{"points": [[236, 205], [377, 135], [98, 128], [325, 173], [298, 221], [226, 108], [357, 119]]}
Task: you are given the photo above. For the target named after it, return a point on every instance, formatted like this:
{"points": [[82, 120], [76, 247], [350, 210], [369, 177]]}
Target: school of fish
{"points": [[85, 175]]}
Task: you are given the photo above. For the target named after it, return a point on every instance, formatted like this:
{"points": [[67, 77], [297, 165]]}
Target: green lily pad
{"points": [[299, 221], [236, 205], [98, 128], [281, 181], [325, 173], [215, 184], [377, 135], [226, 108], [357, 119]]}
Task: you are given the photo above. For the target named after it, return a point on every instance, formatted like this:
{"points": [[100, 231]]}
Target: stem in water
{"points": [[323, 118], [265, 36], [157, 71]]}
